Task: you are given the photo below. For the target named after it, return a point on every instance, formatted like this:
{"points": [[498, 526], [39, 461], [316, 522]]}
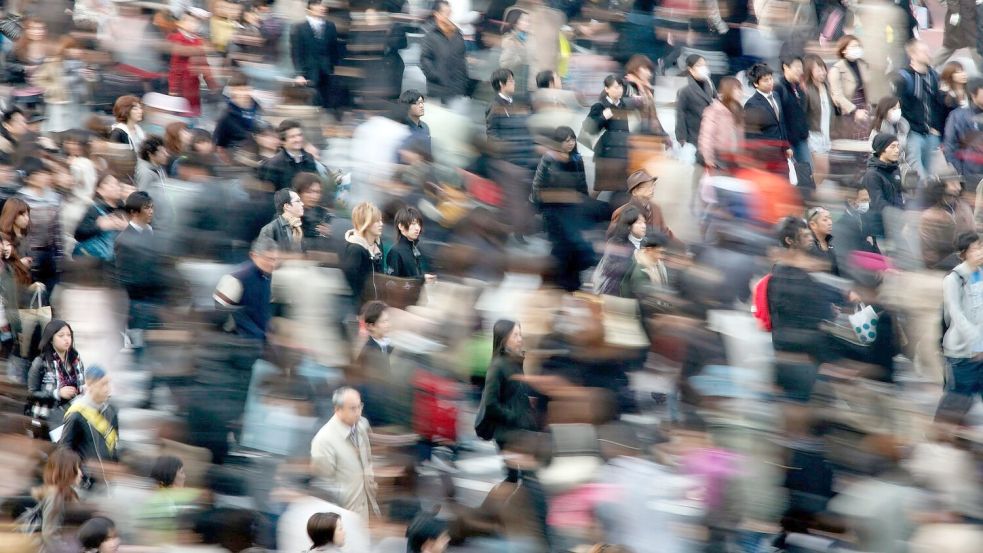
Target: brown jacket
{"points": [[653, 218], [843, 84], [938, 229]]}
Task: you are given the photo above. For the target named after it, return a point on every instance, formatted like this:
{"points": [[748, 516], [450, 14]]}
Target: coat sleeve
{"points": [[394, 264], [706, 144], [541, 179], [73, 433], [323, 458], [682, 104], [34, 377], [87, 227], [836, 92], [872, 183], [950, 140], [492, 398]]}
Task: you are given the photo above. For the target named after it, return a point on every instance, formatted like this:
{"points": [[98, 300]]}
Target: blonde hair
{"points": [[364, 215]]}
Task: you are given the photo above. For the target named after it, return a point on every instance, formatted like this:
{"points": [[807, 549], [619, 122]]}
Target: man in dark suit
{"points": [[314, 50], [384, 398], [762, 112], [791, 100]]}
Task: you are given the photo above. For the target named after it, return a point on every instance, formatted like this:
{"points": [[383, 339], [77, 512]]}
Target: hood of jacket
{"points": [[353, 237], [883, 166]]}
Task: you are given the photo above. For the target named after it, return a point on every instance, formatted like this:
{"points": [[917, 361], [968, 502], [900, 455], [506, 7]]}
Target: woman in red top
{"points": [[188, 63]]}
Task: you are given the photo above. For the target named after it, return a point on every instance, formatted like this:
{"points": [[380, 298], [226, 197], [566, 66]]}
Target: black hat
{"points": [[882, 141]]}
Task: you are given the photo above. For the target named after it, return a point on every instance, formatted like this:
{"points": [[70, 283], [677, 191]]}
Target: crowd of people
{"points": [[281, 275]]}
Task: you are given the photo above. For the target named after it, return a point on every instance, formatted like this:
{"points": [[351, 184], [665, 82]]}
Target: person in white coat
{"points": [[341, 452]]}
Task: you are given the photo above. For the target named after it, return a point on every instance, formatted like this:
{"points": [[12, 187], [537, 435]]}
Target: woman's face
{"points": [[204, 147], [111, 545], [6, 248], [514, 341], [960, 77], [522, 24], [109, 189], [185, 137], [22, 221], [136, 114], [644, 74], [339, 534], [312, 196], [818, 73], [268, 141], [35, 31], [62, 340], [638, 228], [615, 91], [73, 148], [78, 477], [568, 145]]}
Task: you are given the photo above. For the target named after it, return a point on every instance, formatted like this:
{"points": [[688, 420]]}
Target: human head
{"points": [[168, 472], [317, 8], [62, 471], [288, 202], [730, 89], [641, 67], [849, 48], [814, 69], [189, 23], [547, 79], [860, 200], [201, 142], [128, 108], [820, 222], [76, 143], [697, 67], [239, 90], [503, 81], [265, 254], [57, 337], [16, 214], [98, 534], [761, 78], [888, 109], [613, 87], [918, 52], [375, 315], [34, 29], [14, 121], [325, 529], [517, 20], [414, 102], [308, 187], [885, 147], [291, 135], [792, 67], [108, 188], [98, 384], [565, 140], [153, 151], [641, 185], [139, 207], [970, 248], [36, 172], [794, 234], [367, 221], [442, 12], [427, 534], [506, 338], [628, 223], [347, 405], [954, 74], [177, 137], [408, 223], [974, 88]]}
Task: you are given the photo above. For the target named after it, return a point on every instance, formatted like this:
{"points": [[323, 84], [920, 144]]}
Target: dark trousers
{"points": [[964, 381]]}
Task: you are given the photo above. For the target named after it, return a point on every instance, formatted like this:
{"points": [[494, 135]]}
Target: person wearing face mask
{"points": [[917, 86], [947, 217], [691, 100], [853, 228], [888, 119], [962, 143], [848, 85]]}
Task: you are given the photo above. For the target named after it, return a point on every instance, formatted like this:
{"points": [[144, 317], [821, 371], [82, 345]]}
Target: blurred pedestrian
{"points": [[415, 102], [855, 232], [763, 114], [820, 222], [95, 235], [341, 453], [515, 48], [57, 494], [316, 221], [820, 113], [848, 85], [922, 105], [91, 423], [963, 144], [404, 259], [889, 119], [442, 58], [99, 535], [952, 85], [792, 100], [57, 374], [692, 99], [138, 253], [189, 65], [624, 238], [608, 119], [286, 228], [640, 88], [236, 125], [427, 534], [961, 31], [946, 217], [361, 257], [151, 178], [326, 532], [315, 50], [722, 128], [44, 236], [962, 315], [641, 189], [128, 111], [247, 292]]}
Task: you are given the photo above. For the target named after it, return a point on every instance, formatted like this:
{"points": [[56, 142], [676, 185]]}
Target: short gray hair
{"points": [[338, 398], [264, 244]]}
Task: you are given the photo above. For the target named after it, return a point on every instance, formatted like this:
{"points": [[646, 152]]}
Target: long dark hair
{"points": [[48, 348], [561, 134], [500, 335], [622, 227], [880, 112]]}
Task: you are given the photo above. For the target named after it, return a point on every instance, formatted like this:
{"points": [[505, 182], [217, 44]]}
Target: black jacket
{"points": [[792, 101], [613, 142], [883, 182], [691, 100], [236, 126], [281, 169], [506, 400], [79, 436], [360, 268], [798, 304], [922, 104], [507, 125], [404, 260], [312, 57], [760, 120], [444, 64], [139, 266], [279, 231], [828, 255], [555, 180]]}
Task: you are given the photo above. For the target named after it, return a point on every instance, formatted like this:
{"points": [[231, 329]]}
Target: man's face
{"points": [[644, 191], [766, 84], [974, 254], [99, 391], [793, 72], [804, 239], [295, 208], [443, 15], [381, 328], [821, 223], [241, 96], [978, 98], [412, 231], [265, 261], [146, 214], [318, 10], [40, 179], [508, 88], [350, 410], [293, 140], [919, 53], [160, 156], [416, 108], [891, 153], [17, 125]]}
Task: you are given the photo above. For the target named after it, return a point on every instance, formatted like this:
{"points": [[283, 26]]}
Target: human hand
{"points": [[607, 113], [67, 392], [323, 229], [27, 261], [429, 278], [853, 297], [954, 19], [300, 81], [860, 115]]}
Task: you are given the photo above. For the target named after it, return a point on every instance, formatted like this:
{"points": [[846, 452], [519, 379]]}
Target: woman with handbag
{"points": [[849, 85], [57, 373], [96, 233], [19, 289], [609, 117]]}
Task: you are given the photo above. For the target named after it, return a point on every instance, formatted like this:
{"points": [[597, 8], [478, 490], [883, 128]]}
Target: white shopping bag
{"points": [[864, 323]]}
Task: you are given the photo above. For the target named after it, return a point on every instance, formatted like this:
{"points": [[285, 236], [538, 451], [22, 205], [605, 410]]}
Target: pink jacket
{"points": [[718, 132]]}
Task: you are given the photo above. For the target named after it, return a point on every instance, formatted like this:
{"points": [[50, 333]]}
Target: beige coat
{"points": [[335, 458], [843, 84]]}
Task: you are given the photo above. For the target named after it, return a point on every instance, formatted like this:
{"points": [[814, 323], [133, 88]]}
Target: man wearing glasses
{"points": [[285, 229], [883, 180]]}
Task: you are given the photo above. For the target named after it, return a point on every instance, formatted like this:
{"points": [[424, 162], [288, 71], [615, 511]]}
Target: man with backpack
{"points": [[917, 86], [962, 323]]}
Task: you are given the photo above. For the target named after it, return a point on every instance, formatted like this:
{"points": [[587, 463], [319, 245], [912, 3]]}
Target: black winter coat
{"points": [[444, 64], [792, 100], [613, 141], [507, 123], [506, 400], [281, 169], [404, 260], [883, 182], [360, 268], [691, 100]]}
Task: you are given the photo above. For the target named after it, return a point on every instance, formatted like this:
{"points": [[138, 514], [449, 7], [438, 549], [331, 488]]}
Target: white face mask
{"points": [[863, 207], [854, 53], [703, 73], [894, 116]]}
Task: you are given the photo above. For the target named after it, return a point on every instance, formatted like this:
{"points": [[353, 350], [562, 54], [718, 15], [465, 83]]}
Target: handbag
{"points": [[864, 323], [484, 426], [588, 135], [99, 246], [36, 315]]}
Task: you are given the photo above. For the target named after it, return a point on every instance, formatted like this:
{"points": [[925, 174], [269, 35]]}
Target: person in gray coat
{"points": [[962, 315], [286, 228], [151, 177], [443, 59]]}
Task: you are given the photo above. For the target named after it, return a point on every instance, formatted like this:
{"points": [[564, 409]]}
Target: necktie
{"points": [[774, 104], [353, 436]]}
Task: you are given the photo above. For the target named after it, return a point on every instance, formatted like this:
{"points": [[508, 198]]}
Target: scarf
{"points": [[296, 232], [66, 373]]}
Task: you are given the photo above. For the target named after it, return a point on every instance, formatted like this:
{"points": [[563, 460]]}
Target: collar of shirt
{"points": [[384, 343], [504, 97], [610, 101], [315, 22], [296, 158], [139, 228]]}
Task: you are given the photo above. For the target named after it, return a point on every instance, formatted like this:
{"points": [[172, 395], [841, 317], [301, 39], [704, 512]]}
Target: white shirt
{"points": [[316, 24], [141, 229], [504, 97]]}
